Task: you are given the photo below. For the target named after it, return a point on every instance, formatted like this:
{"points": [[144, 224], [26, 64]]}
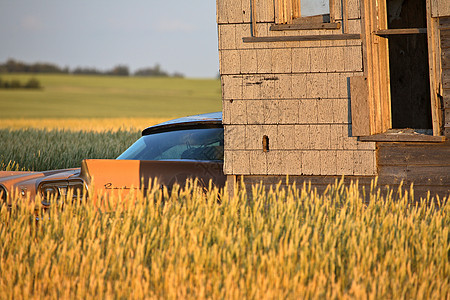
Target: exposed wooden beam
{"points": [[401, 31], [434, 72], [345, 15], [282, 27], [402, 137], [301, 38]]}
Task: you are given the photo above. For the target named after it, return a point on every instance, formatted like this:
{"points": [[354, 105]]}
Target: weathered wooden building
{"points": [[317, 89]]}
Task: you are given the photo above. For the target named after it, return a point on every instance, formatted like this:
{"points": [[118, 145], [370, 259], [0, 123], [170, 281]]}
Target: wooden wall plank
{"points": [[222, 14], [445, 58], [384, 74], [421, 155], [278, 12], [354, 9], [429, 175], [444, 22], [392, 174], [315, 180], [296, 9], [447, 99], [321, 182], [360, 106], [337, 4], [345, 15], [446, 78], [422, 163], [445, 39], [447, 118], [433, 41], [288, 11]]}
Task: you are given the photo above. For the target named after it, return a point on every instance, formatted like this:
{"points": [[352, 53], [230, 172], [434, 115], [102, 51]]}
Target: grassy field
{"points": [[77, 117], [282, 244], [76, 96], [82, 124]]}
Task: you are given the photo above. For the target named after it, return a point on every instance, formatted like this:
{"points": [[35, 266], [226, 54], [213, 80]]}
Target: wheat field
{"points": [[277, 244], [84, 124]]}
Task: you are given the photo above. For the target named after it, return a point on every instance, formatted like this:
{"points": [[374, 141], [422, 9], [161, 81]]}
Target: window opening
{"points": [[301, 11], [408, 65], [314, 7]]}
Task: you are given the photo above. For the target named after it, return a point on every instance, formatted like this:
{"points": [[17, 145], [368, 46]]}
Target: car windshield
{"points": [[187, 144]]}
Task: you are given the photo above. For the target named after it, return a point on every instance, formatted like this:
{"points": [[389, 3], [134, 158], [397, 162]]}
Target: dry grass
{"points": [[83, 124], [290, 244]]}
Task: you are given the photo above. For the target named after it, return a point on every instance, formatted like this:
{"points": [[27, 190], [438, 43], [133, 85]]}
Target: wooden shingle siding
{"points": [[264, 11], [440, 8], [293, 92]]}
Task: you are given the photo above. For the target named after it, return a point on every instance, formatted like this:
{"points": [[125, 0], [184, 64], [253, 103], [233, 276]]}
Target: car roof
{"points": [[203, 120]]}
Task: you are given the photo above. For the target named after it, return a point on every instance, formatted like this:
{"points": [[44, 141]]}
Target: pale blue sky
{"points": [[179, 35]]}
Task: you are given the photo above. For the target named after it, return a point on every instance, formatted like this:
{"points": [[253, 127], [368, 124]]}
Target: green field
{"points": [[40, 150], [77, 96]]}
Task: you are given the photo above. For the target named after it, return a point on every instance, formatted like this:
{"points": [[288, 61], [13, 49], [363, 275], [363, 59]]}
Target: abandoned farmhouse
{"points": [[317, 89]]}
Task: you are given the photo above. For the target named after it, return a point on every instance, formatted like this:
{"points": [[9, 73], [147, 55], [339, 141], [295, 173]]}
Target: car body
{"points": [[171, 152]]}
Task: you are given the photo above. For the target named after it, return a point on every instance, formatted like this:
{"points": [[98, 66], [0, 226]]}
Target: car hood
{"points": [[26, 183]]}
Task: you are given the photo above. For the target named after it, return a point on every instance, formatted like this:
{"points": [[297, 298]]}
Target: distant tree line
{"points": [[13, 66], [33, 83]]}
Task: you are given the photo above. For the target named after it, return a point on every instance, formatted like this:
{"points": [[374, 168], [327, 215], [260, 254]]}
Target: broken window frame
{"points": [[370, 95], [289, 12]]}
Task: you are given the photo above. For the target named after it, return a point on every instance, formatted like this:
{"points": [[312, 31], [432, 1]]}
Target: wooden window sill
{"points": [[405, 135], [258, 39], [385, 32], [306, 26]]}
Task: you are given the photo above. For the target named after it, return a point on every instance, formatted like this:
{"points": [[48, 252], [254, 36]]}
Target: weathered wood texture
{"points": [[359, 95], [330, 37], [293, 87], [403, 137], [433, 40], [282, 27], [376, 67], [440, 8], [424, 164], [444, 29], [299, 162], [321, 183], [401, 31]]}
